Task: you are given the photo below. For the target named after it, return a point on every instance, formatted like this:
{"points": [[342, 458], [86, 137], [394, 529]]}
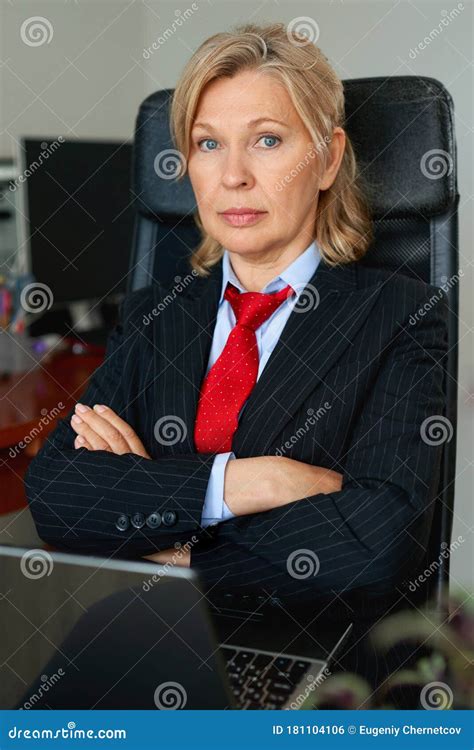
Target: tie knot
{"points": [[251, 309]]}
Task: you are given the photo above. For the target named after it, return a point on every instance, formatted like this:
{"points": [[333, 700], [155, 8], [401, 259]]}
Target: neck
{"points": [[254, 272]]}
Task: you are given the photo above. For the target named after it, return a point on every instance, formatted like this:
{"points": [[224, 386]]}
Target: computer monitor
{"points": [[76, 216]]}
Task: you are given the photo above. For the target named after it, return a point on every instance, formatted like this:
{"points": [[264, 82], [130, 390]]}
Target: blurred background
{"points": [[72, 77]]}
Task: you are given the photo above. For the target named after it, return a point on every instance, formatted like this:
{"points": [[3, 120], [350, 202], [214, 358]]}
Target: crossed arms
{"points": [[361, 526]]}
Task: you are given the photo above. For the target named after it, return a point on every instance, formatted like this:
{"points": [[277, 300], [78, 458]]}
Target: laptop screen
{"points": [[82, 632]]}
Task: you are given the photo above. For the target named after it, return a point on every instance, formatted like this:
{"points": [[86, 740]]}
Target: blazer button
{"points": [[122, 523], [169, 517], [138, 520], [153, 520]]}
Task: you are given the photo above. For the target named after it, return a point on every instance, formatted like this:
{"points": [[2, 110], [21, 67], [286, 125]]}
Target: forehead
{"points": [[245, 97]]}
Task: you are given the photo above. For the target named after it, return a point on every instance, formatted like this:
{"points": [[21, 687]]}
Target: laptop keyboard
{"points": [[267, 680]]}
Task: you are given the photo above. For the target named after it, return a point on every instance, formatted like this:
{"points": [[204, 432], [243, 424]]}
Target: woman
{"points": [[298, 387]]}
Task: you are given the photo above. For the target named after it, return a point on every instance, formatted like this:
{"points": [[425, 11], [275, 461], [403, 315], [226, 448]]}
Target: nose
{"points": [[236, 170]]}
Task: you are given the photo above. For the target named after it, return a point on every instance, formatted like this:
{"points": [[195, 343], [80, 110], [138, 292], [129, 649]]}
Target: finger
{"points": [[128, 433], [102, 428], [81, 442], [95, 440]]}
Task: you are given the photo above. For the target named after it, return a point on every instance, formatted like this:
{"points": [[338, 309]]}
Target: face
{"points": [[251, 150]]}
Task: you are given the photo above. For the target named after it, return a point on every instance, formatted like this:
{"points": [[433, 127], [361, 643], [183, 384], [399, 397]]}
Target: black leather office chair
{"points": [[402, 129]]}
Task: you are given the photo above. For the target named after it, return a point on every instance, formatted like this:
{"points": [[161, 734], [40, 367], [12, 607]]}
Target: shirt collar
{"points": [[297, 274]]}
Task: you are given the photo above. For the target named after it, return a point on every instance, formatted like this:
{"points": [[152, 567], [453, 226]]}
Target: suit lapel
{"points": [[320, 328], [182, 343]]}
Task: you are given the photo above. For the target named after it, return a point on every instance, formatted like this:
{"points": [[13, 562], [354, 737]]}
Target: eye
{"points": [[207, 140], [275, 138], [270, 137]]}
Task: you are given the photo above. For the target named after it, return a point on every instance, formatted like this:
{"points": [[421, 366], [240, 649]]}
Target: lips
{"points": [[241, 211], [242, 217]]}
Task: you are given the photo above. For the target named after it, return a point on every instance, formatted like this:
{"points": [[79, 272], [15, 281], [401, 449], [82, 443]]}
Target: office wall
{"points": [[83, 82], [90, 78]]}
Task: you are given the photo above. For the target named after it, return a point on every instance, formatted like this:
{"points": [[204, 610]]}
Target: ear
{"points": [[336, 152]]}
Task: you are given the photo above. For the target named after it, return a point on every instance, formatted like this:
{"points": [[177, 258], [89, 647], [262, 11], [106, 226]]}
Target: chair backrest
{"points": [[402, 130]]}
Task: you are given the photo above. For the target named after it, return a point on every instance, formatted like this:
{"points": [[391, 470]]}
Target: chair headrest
{"points": [[401, 128]]}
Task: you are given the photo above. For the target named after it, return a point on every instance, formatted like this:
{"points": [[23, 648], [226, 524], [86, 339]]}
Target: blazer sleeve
{"points": [[371, 531], [92, 501]]}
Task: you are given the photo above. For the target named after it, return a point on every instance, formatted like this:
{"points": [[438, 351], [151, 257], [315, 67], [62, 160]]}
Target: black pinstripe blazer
{"points": [[354, 383]]}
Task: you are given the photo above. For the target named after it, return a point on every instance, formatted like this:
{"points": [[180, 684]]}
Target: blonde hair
{"points": [[343, 225]]}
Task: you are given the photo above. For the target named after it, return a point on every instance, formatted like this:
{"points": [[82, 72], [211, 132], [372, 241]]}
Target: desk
{"points": [[31, 403]]}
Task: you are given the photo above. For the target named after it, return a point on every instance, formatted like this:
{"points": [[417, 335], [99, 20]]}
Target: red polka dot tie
{"points": [[230, 380]]}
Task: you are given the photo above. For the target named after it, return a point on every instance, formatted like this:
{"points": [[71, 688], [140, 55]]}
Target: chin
{"points": [[241, 249], [244, 241]]}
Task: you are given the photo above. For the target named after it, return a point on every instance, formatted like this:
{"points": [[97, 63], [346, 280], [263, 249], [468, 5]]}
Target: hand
{"points": [[252, 485], [101, 429], [182, 558]]}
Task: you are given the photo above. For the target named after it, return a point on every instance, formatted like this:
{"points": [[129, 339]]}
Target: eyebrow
{"points": [[258, 120]]}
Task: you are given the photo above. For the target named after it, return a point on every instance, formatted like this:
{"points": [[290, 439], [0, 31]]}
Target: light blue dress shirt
{"points": [[297, 274]]}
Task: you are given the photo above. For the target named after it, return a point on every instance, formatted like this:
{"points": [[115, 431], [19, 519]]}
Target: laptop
{"points": [[86, 632]]}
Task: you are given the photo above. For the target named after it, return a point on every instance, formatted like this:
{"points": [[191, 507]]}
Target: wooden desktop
{"points": [[31, 403]]}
